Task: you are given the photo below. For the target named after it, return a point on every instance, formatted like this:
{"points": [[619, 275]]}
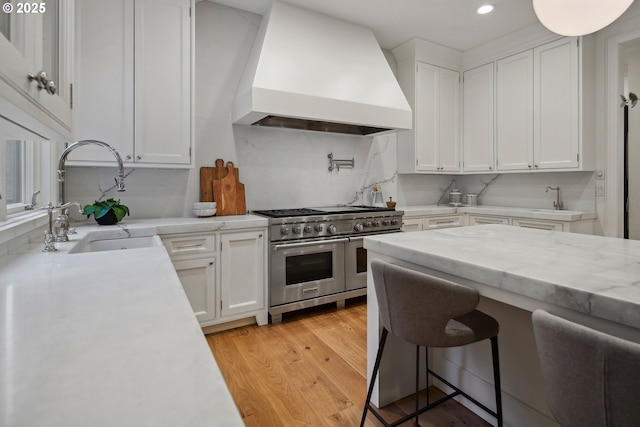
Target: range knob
{"points": [[386, 222], [296, 229], [376, 223], [331, 229], [307, 229], [319, 228], [284, 230], [358, 227], [367, 224], [394, 222]]}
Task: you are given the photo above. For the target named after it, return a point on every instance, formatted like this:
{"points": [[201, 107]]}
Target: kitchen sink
{"points": [[88, 245]]}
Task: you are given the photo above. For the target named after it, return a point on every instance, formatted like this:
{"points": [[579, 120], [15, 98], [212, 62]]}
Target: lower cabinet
{"points": [[224, 282], [198, 278], [242, 284], [433, 222]]}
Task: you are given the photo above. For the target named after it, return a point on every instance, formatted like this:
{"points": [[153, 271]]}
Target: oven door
{"points": [[355, 264], [306, 270]]}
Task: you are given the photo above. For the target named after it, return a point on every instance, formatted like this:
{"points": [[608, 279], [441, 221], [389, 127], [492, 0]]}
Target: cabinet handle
{"points": [[138, 157], [211, 263], [190, 245], [490, 168], [529, 166], [535, 166], [128, 156], [43, 82]]}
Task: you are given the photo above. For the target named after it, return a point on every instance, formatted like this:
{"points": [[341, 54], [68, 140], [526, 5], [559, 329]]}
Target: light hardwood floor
{"points": [[310, 370]]}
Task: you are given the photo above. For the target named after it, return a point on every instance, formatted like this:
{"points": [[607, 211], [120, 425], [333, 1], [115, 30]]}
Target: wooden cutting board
{"points": [[221, 184]]}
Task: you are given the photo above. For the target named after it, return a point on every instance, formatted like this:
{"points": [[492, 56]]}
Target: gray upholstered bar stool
{"points": [[431, 312], [591, 379]]}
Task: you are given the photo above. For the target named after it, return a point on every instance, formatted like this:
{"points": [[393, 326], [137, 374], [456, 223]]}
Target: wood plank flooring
{"points": [[310, 370]]}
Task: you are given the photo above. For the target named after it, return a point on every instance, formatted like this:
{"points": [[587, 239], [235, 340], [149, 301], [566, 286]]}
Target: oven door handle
{"points": [[303, 244]]}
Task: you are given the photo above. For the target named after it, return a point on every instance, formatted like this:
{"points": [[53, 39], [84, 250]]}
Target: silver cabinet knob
{"points": [[138, 157], [43, 82], [128, 156]]}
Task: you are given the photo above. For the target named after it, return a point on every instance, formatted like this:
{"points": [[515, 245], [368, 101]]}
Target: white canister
{"points": [[472, 199], [455, 197]]}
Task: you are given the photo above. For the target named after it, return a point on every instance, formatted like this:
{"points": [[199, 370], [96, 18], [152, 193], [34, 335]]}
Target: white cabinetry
{"points": [[243, 273], [478, 120], [37, 37], [433, 145], [539, 109], [483, 219], [514, 109], [135, 81], [225, 281]]}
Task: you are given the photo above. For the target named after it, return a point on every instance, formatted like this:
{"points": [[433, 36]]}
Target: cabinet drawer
{"points": [[432, 223], [189, 244], [479, 220], [412, 224], [539, 224]]}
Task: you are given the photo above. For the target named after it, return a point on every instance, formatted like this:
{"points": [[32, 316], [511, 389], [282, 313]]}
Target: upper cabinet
{"points": [[433, 145], [478, 119], [36, 47], [542, 97], [134, 74]]}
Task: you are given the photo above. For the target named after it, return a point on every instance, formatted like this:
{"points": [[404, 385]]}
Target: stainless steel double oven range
{"points": [[316, 254]]}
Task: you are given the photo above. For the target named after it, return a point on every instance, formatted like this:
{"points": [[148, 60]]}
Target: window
{"points": [[26, 166]]}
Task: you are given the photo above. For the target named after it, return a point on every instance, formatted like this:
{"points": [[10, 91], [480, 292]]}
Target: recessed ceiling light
{"points": [[485, 8]]}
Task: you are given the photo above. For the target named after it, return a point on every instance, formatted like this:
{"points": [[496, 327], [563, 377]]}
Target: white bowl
{"points": [[204, 212], [204, 205]]}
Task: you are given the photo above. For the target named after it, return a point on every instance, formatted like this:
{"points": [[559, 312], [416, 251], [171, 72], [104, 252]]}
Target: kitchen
{"points": [[223, 40]]}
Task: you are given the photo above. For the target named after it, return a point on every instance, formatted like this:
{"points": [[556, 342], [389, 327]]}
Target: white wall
{"points": [[287, 168]]}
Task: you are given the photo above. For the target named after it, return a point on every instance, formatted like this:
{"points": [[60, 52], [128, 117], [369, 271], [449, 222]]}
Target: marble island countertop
{"points": [[107, 338], [594, 275], [531, 213]]}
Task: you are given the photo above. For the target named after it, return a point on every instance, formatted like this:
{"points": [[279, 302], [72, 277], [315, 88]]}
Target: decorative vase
{"points": [[108, 219]]}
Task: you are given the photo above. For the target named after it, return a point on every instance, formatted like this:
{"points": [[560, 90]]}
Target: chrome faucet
{"points": [[63, 219], [558, 205]]}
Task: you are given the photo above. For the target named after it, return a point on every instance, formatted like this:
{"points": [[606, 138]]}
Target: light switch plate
{"points": [[600, 190]]}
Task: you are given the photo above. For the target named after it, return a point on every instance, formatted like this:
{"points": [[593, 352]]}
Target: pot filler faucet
{"points": [[62, 222], [558, 205]]}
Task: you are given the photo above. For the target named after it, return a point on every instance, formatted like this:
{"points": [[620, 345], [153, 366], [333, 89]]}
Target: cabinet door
{"points": [[38, 37], [104, 74], [163, 81], [426, 117], [449, 121], [198, 278], [514, 102], [243, 285], [478, 119], [556, 105]]}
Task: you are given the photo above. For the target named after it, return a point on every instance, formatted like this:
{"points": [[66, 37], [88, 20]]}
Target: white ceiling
{"points": [[452, 23]]}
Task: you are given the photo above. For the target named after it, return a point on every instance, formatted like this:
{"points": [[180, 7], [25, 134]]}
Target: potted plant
{"points": [[106, 212]]}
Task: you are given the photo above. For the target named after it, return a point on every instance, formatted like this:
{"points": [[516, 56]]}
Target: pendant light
{"points": [[578, 17]]}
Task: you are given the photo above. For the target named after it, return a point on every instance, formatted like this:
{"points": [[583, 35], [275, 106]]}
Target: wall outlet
{"points": [[600, 190]]}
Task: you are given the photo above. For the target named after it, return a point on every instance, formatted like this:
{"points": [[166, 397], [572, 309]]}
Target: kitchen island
{"points": [[588, 279]]}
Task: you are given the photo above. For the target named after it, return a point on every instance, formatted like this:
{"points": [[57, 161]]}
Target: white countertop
{"points": [[107, 338], [594, 275], [546, 214]]}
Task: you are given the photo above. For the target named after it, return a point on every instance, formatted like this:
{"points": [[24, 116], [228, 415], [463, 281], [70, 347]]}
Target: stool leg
{"points": [[376, 366], [426, 370], [417, 383], [496, 378]]}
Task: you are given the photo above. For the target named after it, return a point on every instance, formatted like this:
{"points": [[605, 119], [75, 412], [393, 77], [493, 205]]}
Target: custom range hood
{"points": [[309, 71]]}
